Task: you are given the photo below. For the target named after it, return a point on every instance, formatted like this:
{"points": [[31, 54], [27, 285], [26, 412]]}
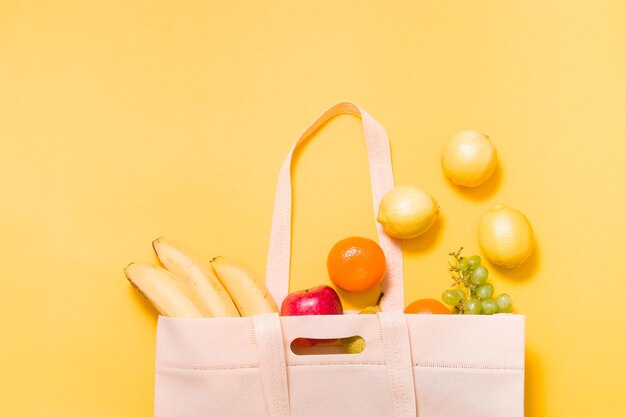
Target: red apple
{"points": [[312, 301]]}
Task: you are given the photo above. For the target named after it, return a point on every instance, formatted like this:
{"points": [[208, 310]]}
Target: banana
{"points": [[196, 278], [247, 291], [160, 287]]}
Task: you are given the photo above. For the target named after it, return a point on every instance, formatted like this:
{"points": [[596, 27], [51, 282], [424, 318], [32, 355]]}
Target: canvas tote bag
{"points": [[412, 365]]}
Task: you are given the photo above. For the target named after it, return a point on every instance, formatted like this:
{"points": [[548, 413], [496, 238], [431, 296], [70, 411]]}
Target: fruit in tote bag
{"points": [[406, 212], [319, 300], [356, 264], [484, 292], [247, 291], [162, 289], [426, 306], [470, 274], [473, 306], [469, 158], [373, 309], [196, 277], [356, 344], [505, 236], [504, 303], [353, 344], [452, 297], [490, 307], [190, 288]]}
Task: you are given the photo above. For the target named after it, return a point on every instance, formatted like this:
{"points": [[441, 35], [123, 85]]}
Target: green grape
{"points": [[461, 293], [505, 303], [473, 261], [450, 297], [463, 264], [473, 306], [489, 307], [484, 291], [479, 275]]}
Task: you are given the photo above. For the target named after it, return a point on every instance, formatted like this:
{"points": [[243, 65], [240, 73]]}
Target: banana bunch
{"points": [[187, 287]]}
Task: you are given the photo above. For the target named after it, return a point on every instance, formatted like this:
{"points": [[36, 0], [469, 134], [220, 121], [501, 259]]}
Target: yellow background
{"points": [[124, 121]]}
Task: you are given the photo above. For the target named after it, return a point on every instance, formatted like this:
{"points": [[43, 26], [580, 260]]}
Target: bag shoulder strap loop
{"points": [[279, 255]]}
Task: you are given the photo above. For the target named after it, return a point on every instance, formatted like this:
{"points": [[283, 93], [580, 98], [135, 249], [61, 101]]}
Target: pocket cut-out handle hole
{"points": [[346, 345]]}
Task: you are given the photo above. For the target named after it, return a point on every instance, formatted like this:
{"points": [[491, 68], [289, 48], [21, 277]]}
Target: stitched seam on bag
{"points": [[461, 366], [256, 365], [361, 363], [377, 363]]}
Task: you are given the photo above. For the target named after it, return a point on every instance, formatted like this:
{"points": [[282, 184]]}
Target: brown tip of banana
{"points": [[155, 241], [128, 266], [127, 273]]}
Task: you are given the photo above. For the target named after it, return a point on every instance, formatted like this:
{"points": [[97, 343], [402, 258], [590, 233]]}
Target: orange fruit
{"points": [[427, 306], [356, 264]]}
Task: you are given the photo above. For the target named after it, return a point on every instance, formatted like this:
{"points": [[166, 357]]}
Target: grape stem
{"points": [[461, 276]]}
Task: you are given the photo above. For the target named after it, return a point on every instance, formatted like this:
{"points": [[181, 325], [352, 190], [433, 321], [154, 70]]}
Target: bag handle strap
{"points": [[399, 363], [279, 255], [272, 363]]}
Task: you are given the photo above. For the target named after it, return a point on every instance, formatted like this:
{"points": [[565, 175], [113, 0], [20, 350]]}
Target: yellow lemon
{"points": [[505, 236], [406, 212], [469, 158]]}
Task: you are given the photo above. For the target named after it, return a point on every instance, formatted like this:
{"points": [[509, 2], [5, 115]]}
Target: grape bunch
{"points": [[469, 273]]}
